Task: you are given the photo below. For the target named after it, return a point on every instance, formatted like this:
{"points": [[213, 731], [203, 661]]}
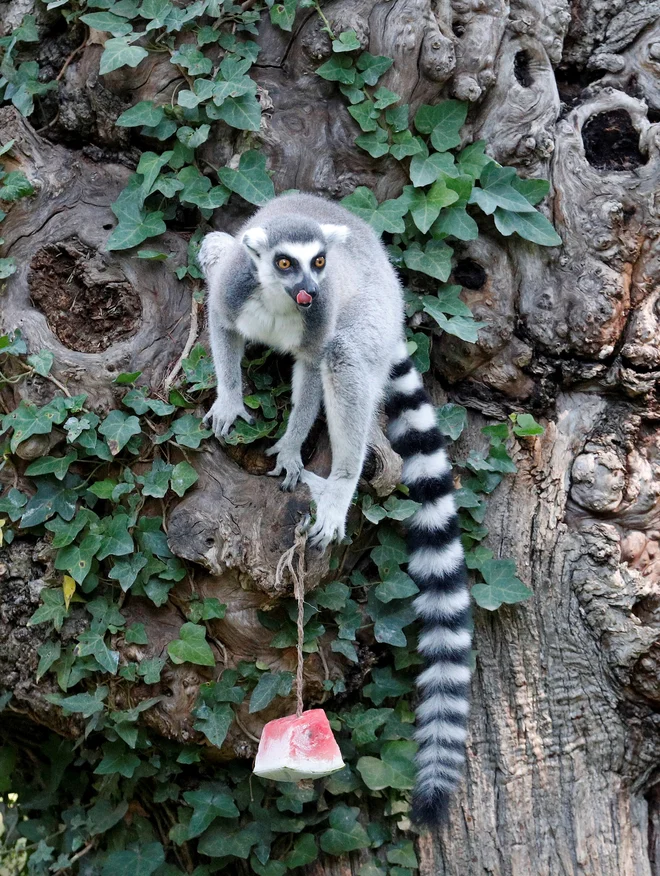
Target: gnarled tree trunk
{"points": [[565, 732]]}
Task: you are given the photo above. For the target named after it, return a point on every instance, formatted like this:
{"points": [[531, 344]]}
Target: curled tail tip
{"points": [[430, 810]]}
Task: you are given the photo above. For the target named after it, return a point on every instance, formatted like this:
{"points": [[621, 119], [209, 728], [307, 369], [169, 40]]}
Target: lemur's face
{"points": [[294, 266]]}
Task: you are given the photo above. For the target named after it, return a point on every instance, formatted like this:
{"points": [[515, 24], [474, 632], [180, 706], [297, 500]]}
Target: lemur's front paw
{"points": [[287, 461], [223, 414], [329, 526]]}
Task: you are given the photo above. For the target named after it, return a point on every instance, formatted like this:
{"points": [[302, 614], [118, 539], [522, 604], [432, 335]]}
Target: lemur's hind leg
{"points": [[226, 345], [306, 401], [350, 405]]}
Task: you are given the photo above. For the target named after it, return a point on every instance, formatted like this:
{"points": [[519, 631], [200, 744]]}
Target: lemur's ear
{"points": [[256, 240], [335, 234]]}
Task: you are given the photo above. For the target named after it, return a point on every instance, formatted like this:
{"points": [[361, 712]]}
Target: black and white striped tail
{"points": [[437, 566]]}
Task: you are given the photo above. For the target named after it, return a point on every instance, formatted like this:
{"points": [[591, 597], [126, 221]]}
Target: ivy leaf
{"points": [[48, 653], [251, 181], [404, 145], [396, 585], [13, 503], [403, 853], [425, 207], [532, 189], [283, 14], [136, 634], [245, 433], [384, 685], [389, 620], [451, 420], [243, 112], [55, 465], [339, 68], [455, 222], [425, 169], [345, 833], [52, 497], [118, 428], [189, 431], [143, 113], [387, 216], [268, 687], [373, 512], [373, 67], [214, 722], [449, 121], [502, 585], [464, 327], [117, 541], [434, 259], [141, 861], [15, 185], [150, 670], [191, 646], [375, 143], [117, 758], [28, 420], [127, 235], [118, 53], [220, 841], [342, 646], [183, 477], [497, 191], [473, 159], [103, 816], [525, 425], [211, 800], [530, 226], [92, 644], [85, 704], [366, 116], [304, 851], [391, 552], [394, 769], [7, 266], [157, 481], [77, 558], [193, 137], [107, 21], [126, 571], [400, 509], [347, 42], [42, 362]]}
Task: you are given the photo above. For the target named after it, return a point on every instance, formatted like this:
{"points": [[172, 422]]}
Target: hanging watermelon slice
{"points": [[295, 748]]}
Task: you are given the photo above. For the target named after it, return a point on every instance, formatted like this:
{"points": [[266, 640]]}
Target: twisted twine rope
{"points": [[298, 577]]}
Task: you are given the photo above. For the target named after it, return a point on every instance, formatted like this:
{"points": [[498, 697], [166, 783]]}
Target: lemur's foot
{"points": [[224, 413], [287, 461], [330, 522]]}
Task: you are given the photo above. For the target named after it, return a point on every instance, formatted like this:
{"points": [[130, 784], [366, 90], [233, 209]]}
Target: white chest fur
{"points": [[273, 320]]}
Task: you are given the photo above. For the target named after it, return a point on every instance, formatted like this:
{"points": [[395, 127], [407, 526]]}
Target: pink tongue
{"points": [[303, 297]]}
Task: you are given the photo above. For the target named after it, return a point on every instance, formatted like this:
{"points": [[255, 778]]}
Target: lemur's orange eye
{"points": [[319, 262], [283, 264]]}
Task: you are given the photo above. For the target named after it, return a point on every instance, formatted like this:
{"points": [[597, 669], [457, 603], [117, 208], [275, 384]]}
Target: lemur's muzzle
{"points": [[305, 292]]}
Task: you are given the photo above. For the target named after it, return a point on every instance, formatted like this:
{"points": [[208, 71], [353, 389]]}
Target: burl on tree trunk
{"points": [[565, 731]]}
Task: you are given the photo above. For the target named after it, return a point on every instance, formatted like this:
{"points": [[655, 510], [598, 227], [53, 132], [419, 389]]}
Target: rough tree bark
{"points": [[564, 743]]}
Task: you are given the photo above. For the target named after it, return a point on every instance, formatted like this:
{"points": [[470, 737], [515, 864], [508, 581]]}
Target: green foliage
{"points": [[101, 499]]}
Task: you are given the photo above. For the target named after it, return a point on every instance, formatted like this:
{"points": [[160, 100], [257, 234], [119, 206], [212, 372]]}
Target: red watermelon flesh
{"points": [[295, 748]]}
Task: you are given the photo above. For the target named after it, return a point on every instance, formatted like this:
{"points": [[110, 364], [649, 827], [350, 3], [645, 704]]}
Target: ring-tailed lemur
{"points": [[307, 277]]}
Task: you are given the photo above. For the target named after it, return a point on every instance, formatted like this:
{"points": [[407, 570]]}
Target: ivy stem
{"points": [[327, 28], [192, 336]]}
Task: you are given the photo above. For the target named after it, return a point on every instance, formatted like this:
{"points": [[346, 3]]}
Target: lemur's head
{"points": [[290, 253]]}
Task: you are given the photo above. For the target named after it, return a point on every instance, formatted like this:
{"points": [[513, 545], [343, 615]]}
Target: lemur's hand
{"points": [[330, 522], [289, 461], [223, 414]]}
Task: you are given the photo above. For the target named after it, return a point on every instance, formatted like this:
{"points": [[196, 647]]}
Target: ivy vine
{"points": [[99, 504]]}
